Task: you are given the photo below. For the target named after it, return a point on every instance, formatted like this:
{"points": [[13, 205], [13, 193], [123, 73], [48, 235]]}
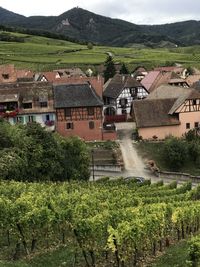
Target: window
{"points": [[90, 111], [123, 102], [31, 118], [196, 125], [47, 117], [5, 76], [27, 105], [44, 104], [187, 125], [91, 125], [69, 126], [133, 92], [20, 119], [68, 112], [194, 102]]}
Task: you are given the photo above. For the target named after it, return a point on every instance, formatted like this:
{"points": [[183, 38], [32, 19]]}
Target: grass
{"points": [[57, 258], [41, 53], [175, 256], [153, 151]]}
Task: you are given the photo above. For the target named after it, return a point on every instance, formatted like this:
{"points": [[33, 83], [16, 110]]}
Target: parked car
{"points": [[137, 179]]}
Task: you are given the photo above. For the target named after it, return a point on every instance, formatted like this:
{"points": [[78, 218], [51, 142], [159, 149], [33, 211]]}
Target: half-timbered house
{"points": [[119, 93], [78, 111], [169, 110], [28, 102]]}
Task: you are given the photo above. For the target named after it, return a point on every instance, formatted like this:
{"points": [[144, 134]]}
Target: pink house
{"points": [[168, 110]]}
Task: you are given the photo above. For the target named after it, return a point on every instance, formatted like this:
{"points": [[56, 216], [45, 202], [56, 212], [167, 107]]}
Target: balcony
{"points": [[49, 123], [9, 113]]}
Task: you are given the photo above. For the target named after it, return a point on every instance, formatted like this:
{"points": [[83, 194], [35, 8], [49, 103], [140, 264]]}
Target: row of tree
{"points": [[30, 153]]}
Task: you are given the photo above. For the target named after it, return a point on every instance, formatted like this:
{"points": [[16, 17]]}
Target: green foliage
{"points": [[28, 152], [124, 69], [194, 251], [90, 46], [75, 160], [190, 70], [110, 70], [122, 220], [5, 140], [191, 135], [34, 53], [175, 152]]}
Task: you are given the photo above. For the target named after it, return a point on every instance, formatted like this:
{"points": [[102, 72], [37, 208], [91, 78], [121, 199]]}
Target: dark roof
{"points": [[116, 85], [154, 113], [76, 95]]}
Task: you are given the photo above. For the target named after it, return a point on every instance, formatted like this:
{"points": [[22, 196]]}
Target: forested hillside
{"points": [[86, 26]]}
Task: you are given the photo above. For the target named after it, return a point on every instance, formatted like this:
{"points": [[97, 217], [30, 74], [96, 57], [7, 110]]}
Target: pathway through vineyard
{"points": [[133, 162]]}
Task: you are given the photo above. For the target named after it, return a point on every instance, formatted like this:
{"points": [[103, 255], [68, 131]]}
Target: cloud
{"points": [[136, 11]]}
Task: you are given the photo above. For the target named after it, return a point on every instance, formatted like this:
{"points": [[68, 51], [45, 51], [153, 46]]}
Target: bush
{"points": [[194, 251], [175, 153]]}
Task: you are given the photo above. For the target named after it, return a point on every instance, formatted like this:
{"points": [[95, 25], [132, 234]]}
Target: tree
{"points": [[5, 140], [75, 159], [90, 46], [124, 69], [110, 70], [175, 153]]}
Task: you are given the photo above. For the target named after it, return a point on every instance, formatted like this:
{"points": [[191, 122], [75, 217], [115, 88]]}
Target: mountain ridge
{"points": [[87, 26]]}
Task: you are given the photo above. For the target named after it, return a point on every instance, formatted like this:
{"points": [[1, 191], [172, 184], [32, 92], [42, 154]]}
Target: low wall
{"points": [[107, 168], [178, 176]]}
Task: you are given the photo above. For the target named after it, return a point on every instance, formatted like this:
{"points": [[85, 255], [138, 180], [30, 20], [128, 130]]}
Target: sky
{"points": [[135, 11]]}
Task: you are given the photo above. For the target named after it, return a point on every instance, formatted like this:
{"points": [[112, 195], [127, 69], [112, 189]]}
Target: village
{"points": [[153, 105], [162, 102], [99, 134]]}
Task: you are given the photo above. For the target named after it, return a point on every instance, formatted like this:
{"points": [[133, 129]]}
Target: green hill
{"points": [[41, 53], [86, 26]]}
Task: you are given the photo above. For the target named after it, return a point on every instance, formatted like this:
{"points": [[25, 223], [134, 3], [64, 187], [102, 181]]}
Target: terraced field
{"points": [[40, 53]]}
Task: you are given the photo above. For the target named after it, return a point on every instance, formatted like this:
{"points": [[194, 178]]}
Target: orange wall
{"points": [[160, 132], [81, 129], [176, 130]]}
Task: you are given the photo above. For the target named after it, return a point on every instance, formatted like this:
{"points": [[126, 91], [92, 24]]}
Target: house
{"points": [[139, 73], [55, 78], [179, 70], [8, 74], [28, 102], [168, 110], [191, 79], [160, 76], [79, 111], [119, 93], [154, 79]]}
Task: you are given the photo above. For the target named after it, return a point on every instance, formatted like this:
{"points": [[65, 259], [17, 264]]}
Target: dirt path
{"points": [[134, 164]]}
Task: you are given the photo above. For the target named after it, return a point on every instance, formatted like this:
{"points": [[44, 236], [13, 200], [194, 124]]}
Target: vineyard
{"points": [[106, 223]]}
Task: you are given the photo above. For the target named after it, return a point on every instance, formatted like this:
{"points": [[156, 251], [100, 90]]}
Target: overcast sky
{"points": [[136, 11]]}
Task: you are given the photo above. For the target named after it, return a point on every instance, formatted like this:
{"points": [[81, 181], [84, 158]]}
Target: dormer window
{"points": [[5, 76]]}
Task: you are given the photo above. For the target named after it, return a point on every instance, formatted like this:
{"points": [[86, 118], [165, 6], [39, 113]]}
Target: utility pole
{"points": [[92, 151]]}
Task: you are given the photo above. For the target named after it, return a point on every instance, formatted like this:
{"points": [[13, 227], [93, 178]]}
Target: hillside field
{"points": [[41, 53]]}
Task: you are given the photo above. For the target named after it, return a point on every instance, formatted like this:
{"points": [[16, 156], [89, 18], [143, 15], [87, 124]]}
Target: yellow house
{"points": [[168, 110]]}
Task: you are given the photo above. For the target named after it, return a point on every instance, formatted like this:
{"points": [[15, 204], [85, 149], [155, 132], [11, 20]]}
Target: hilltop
{"points": [[86, 26]]}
